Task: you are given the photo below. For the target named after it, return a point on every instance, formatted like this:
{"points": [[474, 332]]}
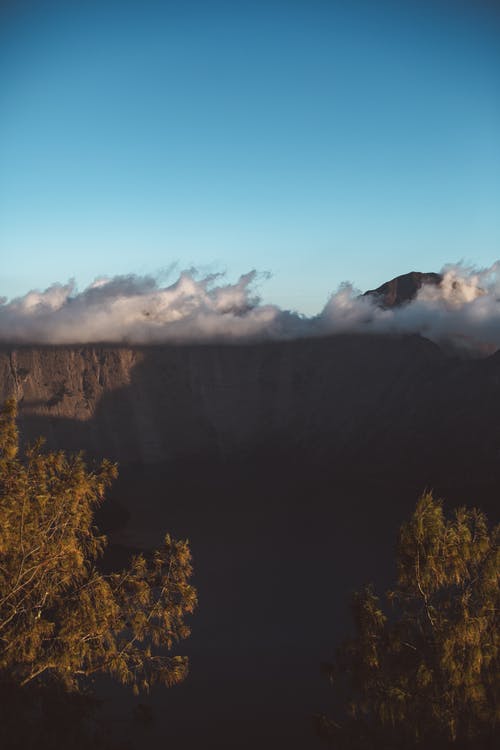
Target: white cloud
{"points": [[464, 308]]}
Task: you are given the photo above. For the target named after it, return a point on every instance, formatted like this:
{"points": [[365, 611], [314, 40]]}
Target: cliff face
{"points": [[394, 403]]}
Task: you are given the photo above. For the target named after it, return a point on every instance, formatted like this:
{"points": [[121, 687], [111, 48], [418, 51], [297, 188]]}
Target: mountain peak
{"points": [[403, 288]]}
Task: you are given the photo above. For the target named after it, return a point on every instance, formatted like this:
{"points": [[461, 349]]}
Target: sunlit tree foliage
{"points": [[424, 670], [61, 619]]}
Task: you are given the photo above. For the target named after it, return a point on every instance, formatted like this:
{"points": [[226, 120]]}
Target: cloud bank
{"points": [[464, 309]]}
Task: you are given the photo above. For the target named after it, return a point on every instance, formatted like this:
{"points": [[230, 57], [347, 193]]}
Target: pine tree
{"points": [[425, 672], [61, 619]]}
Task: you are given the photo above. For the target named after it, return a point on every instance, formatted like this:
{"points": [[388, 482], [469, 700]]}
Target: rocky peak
{"points": [[402, 289]]}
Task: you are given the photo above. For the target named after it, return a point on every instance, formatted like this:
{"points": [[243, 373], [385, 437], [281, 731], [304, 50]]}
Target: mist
{"points": [[464, 310]]}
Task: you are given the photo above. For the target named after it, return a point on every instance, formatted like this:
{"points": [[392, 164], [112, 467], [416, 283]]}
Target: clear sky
{"points": [[319, 141]]}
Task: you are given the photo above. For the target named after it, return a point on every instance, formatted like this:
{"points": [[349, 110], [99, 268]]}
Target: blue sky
{"points": [[319, 141]]}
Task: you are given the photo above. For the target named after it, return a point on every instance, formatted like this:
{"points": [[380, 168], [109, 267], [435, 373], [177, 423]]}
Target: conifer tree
{"points": [[61, 619], [424, 673]]}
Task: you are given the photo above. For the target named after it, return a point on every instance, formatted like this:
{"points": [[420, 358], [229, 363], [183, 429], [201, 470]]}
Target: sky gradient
{"points": [[319, 141]]}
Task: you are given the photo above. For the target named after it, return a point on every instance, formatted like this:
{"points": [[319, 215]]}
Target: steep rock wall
{"points": [[378, 402]]}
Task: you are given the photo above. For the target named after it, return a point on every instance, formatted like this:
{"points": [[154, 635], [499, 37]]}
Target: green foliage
{"points": [[425, 673], [61, 619]]}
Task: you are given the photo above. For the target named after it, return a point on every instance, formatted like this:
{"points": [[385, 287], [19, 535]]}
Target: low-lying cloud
{"points": [[464, 309]]}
